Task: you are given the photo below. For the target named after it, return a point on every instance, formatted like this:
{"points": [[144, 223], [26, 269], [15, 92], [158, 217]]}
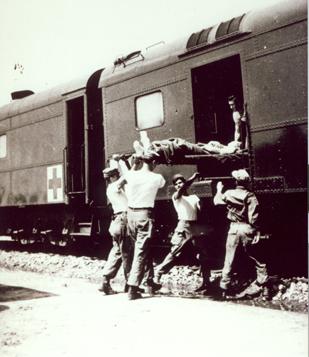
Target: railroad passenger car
{"points": [[55, 144], [52, 157], [181, 91]]}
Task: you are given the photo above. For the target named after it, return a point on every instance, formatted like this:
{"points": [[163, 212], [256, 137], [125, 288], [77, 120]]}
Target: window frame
{"points": [[5, 146], [136, 111]]}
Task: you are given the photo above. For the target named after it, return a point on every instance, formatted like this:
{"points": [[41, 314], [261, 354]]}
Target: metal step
{"points": [[84, 227], [78, 234]]}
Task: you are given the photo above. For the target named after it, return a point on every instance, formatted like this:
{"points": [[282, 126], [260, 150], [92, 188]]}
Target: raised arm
{"points": [[187, 184], [120, 183], [219, 198]]}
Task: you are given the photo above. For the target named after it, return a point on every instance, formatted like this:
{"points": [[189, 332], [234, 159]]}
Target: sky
{"points": [[44, 43]]}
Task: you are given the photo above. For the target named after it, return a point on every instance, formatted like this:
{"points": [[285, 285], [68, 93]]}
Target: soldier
{"points": [[141, 189], [187, 229], [122, 250], [242, 206]]}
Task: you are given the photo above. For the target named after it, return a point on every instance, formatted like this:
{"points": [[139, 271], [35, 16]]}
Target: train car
{"points": [[52, 159], [55, 144], [182, 91]]}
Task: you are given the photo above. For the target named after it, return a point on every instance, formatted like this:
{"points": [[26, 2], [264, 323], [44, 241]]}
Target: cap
{"points": [[110, 172], [177, 177], [241, 175]]}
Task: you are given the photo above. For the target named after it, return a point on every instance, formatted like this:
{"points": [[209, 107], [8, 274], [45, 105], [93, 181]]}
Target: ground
{"points": [[50, 305], [69, 317], [287, 294]]}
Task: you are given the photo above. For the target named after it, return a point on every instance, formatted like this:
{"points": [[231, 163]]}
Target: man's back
{"points": [[142, 188]]}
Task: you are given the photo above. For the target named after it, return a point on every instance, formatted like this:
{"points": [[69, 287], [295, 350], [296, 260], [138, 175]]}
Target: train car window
{"points": [[149, 111], [2, 146]]}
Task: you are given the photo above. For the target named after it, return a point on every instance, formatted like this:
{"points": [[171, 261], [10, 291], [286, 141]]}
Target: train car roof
{"points": [[251, 23], [43, 98]]}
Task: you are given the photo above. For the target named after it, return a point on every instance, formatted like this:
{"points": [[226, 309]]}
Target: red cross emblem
{"points": [[54, 182]]}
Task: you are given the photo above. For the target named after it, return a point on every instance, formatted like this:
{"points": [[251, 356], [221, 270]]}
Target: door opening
{"points": [[212, 85], [76, 145]]}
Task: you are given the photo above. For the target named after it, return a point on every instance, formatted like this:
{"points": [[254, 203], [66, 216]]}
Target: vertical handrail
{"points": [[65, 163], [82, 166], [86, 149]]}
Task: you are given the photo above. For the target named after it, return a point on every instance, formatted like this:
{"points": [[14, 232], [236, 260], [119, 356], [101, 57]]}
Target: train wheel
{"points": [[54, 234], [23, 241]]}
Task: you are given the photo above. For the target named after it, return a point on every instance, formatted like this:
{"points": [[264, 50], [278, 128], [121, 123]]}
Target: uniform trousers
{"points": [[122, 250], [141, 225], [185, 231], [241, 233]]}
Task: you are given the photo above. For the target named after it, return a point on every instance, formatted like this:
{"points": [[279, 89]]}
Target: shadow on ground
{"points": [[16, 293], [3, 308], [254, 301]]}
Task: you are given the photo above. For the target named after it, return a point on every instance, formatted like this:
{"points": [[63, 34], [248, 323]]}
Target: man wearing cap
{"points": [[242, 206], [186, 207], [122, 250]]}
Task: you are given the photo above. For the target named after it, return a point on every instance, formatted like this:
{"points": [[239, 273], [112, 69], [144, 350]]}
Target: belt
{"points": [[141, 208], [117, 214], [240, 223]]}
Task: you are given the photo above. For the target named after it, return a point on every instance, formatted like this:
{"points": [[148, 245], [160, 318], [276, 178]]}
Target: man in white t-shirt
{"points": [[141, 190], [187, 228], [122, 250], [240, 134]]}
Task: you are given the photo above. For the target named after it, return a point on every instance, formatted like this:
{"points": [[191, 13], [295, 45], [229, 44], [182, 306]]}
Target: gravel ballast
{"points": [[286, 294]]}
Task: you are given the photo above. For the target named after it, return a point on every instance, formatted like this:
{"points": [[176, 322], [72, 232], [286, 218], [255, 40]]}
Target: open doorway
{"points": [[76, 146], [212, 84]]}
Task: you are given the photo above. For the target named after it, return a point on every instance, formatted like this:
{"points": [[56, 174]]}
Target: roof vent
{"points": [[229, 28], [225, 30], [21, 94]]}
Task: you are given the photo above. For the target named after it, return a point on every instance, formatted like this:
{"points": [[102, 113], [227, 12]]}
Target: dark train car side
{"points": [[55, 144], [181, 91], [51, 164]]}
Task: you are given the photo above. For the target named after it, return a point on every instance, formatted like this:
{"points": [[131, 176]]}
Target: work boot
{"points": [[106, 288], [126, 289], [133, 294], [250, 291], [201, 289], [152, 287]]}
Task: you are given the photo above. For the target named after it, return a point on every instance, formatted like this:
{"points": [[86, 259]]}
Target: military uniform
{"points": [[243, 213]]}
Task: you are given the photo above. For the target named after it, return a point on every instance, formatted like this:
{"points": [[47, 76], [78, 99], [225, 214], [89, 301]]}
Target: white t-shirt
{"points": [[236, 116], [142, 188], [117, 198], [186, 207]]}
